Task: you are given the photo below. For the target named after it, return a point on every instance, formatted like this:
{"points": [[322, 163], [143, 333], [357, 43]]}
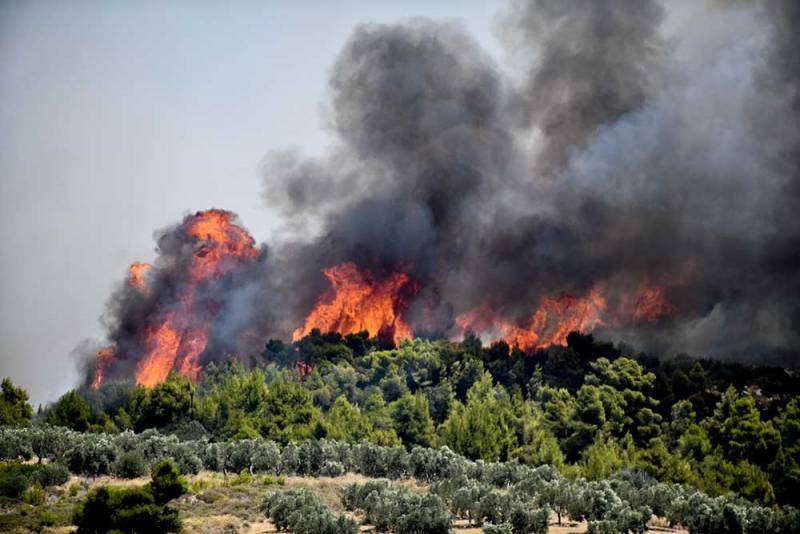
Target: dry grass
{"points": [[219, 504]]}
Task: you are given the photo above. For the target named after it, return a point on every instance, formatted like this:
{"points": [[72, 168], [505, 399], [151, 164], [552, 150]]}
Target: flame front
{"points": [[358, 302], [556, 316], [550, 323]]}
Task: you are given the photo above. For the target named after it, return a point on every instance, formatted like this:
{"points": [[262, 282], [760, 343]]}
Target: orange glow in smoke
{"points": [[104, 357], [358, 302], [175, 338], [137, 275], [550, 323]]}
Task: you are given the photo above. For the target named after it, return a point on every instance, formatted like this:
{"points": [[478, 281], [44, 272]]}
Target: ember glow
{"points": [[357, 301]]}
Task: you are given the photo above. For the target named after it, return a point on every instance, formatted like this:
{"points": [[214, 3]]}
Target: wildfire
{"points": [[137, 274], [551, 322], [359, 302], [175, 332], [104, 358], [555, 317], [647, 304]]}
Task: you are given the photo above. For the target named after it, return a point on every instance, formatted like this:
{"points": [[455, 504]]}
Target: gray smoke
{"points": [[625, 149], [656, 155]]}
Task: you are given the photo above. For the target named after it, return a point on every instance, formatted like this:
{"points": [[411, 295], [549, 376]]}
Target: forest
{"points": [[589, 431]]}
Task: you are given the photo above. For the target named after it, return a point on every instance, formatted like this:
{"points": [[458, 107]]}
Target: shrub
{"points": [[131, 464], [15, 478], [604, 527], [167, 483], [527, 520], [124, 510], [137, 510], [394, 507], [34, 495], [302, 512], [52, 475], [502, 528], [332, 469]]}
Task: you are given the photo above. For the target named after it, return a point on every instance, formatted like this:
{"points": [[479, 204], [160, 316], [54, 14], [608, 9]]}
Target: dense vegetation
{"points": [[589, 430]]}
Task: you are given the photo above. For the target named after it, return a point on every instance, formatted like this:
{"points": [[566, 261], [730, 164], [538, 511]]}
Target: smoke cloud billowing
{"points": [[622, 151], [657, 155]]}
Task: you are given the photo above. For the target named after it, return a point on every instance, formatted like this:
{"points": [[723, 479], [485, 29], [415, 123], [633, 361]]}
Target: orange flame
{"points": [[358, 302], [647, 304], [551, 322], [137, 275], [177, 334], [104, 357]]}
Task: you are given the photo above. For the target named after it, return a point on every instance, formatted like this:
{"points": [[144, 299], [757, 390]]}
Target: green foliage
{"points": [[135, 510], [52, 474], [131, 510], [14, 407], [165, 405], [394, 507], [345, 422], [70, 411], [16, 477], [302, 512], [167, 483], [130, 464], [483, 428], [412, 420], [288, 414]]}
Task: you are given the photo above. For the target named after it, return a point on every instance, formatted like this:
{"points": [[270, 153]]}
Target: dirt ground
{"points": [[219, 504]]}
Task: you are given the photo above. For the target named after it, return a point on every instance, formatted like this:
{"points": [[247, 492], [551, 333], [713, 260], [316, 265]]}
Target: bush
{"points": [[137, 510], [302, 512], [35, 495], [16, 477], [124, 510], [52, 475], [131, 464], [502, 528], [332, 469], [395, 508], [604, 527], [167, 483], [527, 520]]}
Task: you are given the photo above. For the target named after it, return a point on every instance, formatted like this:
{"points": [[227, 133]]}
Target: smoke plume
{"points": [[629, 176]]}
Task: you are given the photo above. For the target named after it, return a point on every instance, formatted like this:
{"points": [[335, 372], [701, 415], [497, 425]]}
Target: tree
{"points": [[165, 405], [288, 413], [412, 420], [167, 483], [345, 422], [738, 429], [483, 428], [70, 411], [14, 407], [626, 388], [134, 510], [786, 468]]}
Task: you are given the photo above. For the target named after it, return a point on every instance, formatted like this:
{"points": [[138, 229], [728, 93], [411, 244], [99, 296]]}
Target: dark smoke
{"points": [[665, 157], [230, 304], [621, 152]]}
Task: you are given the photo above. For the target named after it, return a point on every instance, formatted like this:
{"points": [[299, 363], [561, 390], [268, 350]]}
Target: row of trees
{"points": [[502, 494], [584, 408]]}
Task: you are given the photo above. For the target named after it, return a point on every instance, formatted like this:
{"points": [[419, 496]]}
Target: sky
{"points": [[117, 118]]}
